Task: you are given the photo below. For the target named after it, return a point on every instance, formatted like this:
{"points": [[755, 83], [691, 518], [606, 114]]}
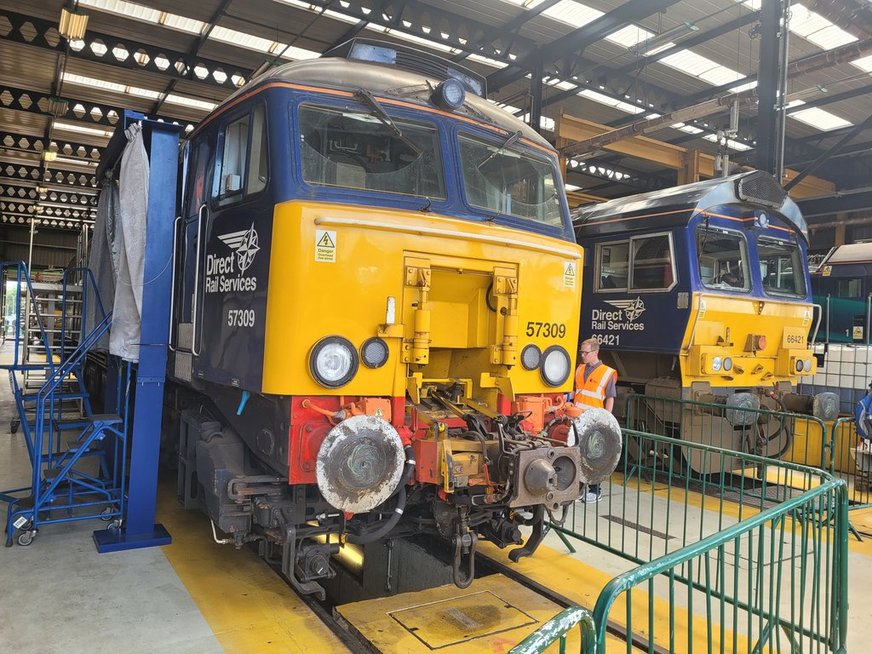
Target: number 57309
{"points": [[546, 329]]}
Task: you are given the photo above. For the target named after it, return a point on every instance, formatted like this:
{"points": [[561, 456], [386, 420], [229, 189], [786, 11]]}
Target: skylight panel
{"points": [[690, 129], [298, 54], [734, 145], [241, 39], [864, 64], [92, 82], [126, 9], [571, 187], [611, 102], [176, 22], [487, 61], [689, 62], [81, 129], [720, 75], [411, 38], [563, 86], [820, 119], [572, 13], [630, 36], [189, 102]]}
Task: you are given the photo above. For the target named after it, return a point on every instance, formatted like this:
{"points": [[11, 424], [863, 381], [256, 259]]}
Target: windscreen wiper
{"points": [[513, 138], [379, 112]]}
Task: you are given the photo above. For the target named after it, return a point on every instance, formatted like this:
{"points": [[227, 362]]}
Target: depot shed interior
{"points": [[637, 95]]}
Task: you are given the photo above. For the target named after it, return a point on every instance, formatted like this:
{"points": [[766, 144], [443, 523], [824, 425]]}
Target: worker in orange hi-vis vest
{"points": [[594, 388]]}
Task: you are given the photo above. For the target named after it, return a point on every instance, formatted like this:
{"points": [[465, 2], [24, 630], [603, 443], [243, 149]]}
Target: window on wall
{"points": [[641, 263], [243, 166], [780, 267], [722, 259]]}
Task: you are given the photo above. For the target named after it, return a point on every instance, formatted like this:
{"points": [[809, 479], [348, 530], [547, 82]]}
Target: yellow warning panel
{"points": [[492, 615]]}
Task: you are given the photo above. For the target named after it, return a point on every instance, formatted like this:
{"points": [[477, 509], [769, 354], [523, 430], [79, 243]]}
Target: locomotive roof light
{"points": [[374, 352], [761, 220], [449, 95], [333, 361], [555, 365], [530, 357]]}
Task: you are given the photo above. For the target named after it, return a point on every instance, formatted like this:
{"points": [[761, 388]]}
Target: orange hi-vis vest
{"points": [[592, 393]]}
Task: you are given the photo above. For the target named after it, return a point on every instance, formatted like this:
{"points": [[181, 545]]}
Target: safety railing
{"points": [[852, 461], [793, 437], [749, 557], [556, 629]]}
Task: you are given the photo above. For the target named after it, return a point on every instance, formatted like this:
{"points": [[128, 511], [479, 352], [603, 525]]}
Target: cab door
{"points": [[198, 165]]}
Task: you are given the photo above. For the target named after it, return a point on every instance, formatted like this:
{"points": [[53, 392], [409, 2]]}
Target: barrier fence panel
{"points": [[792, 437], [853, 462], [749, 557]]}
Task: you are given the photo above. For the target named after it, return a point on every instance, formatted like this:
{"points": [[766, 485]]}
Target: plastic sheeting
{"points": [[100, 260], [129, 247]]}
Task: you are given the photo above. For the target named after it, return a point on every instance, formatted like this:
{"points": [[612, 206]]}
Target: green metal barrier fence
{"points": [[793, 437], [852, 461], [556, 629], [749, 557]]}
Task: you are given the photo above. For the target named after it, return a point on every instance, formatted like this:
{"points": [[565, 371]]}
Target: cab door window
{"points": [[242, 165]]}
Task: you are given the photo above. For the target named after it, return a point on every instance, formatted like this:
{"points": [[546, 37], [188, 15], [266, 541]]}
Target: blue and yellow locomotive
{"points": [[376, 307], [701, 292]]}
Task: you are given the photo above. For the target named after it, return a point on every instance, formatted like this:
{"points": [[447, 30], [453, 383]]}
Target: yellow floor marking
{"points": [[582, 584], [249, 608]]}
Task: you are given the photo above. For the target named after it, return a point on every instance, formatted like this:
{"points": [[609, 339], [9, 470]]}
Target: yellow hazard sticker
{"points": [[827, 271], [570, 270], [325, 246]]}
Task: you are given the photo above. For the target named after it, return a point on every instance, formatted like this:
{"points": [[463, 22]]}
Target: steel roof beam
{"points": [[576, 41], [178, 64]]}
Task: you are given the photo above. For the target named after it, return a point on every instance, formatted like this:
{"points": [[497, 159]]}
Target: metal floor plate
{"points": [[493, 615]]}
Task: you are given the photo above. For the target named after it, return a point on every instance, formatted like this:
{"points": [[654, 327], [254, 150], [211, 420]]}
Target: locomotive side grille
{"points": [[760, 188]]}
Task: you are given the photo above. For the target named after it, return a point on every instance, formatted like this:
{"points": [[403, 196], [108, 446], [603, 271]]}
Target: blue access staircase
{"points": [[77, 477]]}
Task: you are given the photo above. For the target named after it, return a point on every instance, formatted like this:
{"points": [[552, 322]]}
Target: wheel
{"points": [[25, 538], [13, 426], [106, 514]]}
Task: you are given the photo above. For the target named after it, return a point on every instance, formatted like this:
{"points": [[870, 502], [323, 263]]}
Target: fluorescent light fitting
{"points": [[49, 155], [73, 24]]}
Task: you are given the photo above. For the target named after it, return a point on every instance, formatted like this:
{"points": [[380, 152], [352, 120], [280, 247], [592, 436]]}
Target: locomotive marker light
{"points": [[599, 444], [360, 464], [374, 352], [333, 361], [530, 357]]}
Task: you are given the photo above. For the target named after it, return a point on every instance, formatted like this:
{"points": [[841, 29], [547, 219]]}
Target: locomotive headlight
{"points": [[555, 365], [728, 364], [333, 361], [806, 365], [449, 95], [530, 357], [799, 365], [374, 352], [716, 364]]}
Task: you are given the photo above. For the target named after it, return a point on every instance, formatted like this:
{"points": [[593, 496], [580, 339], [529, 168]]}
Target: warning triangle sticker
{"points": [[569, 269], [325, 242]]}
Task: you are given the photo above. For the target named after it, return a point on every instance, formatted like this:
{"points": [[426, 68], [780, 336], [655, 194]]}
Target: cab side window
{"points": [[242, 168], [640, 263]]}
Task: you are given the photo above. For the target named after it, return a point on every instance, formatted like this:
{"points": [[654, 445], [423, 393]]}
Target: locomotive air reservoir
{"points": [[375, 315]]}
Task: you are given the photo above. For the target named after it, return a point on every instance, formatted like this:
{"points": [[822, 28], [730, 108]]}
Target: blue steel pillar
{"points": [[139, 528]]}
